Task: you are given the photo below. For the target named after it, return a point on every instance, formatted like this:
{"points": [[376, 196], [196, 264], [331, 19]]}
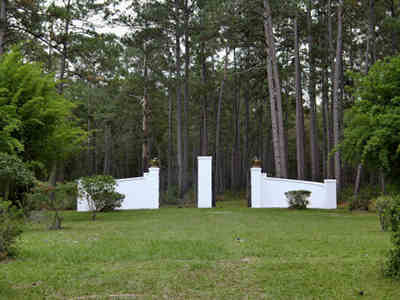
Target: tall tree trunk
{"points": [[394, 35], [145, 145], [235, 168], [382, 181], [204, 110], [3, 24], [268, 28], [89, 139], [326, 122], [331, 55], [63, 67], [358, 180], [217, 182], [185, 124], [107, 148], [169, 172], [246, 158], [315, 170], [299, 106], [336, 99], [53, 179], [179, 151], [246, 148], [371, 30], [274, 121], [64, 54], [370, 57]]}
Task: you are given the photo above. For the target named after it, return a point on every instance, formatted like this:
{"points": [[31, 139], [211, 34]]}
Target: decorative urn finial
{"points": [[256, 162], [155, 162]]}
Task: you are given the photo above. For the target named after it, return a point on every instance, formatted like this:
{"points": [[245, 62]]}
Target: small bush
{"points": [[364, 198], [392, 265], [44, 196], [99, 192], [10, 229], [383, 208], [298, 199], [111, 201]]}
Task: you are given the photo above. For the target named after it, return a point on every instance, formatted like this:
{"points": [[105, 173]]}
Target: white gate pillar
{"points": [[153, 178], [330, 194], [255, 187], [204, 182]]}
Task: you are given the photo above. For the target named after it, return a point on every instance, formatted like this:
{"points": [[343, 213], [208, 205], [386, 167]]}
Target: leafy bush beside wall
{"points": [[298, 199], [99, 192]]}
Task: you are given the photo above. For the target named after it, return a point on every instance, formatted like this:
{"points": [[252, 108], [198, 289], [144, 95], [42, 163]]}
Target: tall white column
{"points": [[204, 182], [255, 187], [330, 194], [153, 178]]}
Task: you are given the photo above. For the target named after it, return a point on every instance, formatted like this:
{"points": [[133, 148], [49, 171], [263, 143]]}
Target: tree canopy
{"points": [[372, 132]]}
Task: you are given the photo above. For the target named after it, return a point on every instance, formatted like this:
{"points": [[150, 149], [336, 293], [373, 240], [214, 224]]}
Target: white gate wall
{"points": [[140, 192], [270, 192], [204, 179]]}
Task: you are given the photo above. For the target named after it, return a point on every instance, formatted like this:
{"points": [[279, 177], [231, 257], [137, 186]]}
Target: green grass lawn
{"points": [[190, 253]]}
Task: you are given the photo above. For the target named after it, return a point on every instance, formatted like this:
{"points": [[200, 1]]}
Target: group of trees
{"points": [[230, 78]]}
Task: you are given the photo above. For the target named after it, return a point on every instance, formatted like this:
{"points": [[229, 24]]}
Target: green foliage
{"points": [[364, 198], [111, 200], [13, 172], [392, 215], [10, 229], [372, 133], [383, 207], [54, 198], [13, 169], [298, 199], [64, 194], [99, 192], [35, 121]]}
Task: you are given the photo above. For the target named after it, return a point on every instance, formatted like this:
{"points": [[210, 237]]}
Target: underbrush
{"points": [[10, 229]]}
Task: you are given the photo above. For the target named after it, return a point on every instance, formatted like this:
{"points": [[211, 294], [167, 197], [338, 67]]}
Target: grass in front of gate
{"points": [[222, 253]]}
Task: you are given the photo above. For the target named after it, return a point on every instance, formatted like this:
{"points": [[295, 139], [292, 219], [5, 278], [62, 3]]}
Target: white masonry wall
{"points": [[204, 182], [270, 192], [140, 192]]}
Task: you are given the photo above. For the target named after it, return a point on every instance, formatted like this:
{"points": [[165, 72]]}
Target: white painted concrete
{"points": [[270, 192], [204, 182], [140, 192], [256, 187]]}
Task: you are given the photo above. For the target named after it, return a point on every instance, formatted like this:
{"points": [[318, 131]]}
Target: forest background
{"points": [[283, 81]]}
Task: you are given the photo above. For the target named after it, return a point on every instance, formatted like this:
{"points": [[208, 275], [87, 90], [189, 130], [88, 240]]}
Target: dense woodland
{"points": [[235, 79]]}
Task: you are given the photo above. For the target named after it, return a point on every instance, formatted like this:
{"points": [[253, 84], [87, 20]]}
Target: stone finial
{"points": [[155, 162], [256, 162]]}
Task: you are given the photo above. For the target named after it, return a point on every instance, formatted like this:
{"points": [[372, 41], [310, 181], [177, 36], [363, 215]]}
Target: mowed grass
{"points": [[223, 253]]}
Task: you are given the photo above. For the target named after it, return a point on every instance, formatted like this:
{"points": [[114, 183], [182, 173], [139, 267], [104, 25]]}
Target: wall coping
{"points": [[294, 181], [130, 179], [204, 157]]}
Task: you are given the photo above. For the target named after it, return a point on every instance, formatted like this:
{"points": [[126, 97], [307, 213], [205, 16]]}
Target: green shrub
{"points": [[298, 199], [44, 196], [68, 191], [99, 192], [13, 173], [111, 201], [383, 208], [392, 265], [364, 198], [10, 229]]}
